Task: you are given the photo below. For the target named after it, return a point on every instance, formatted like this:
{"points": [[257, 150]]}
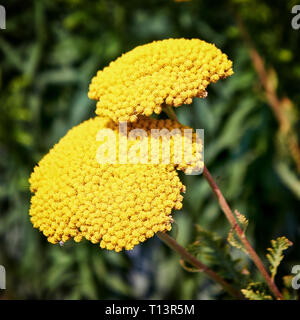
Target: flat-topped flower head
{"points": [[117, 205], [167, 72]]}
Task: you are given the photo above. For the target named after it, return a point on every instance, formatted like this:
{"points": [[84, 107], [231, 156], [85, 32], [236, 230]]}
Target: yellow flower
{"points": [[118, 205], [167, 72]]}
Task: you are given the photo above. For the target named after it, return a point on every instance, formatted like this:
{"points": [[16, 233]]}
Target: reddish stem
{"points": [[173, 244], [233, 221]]}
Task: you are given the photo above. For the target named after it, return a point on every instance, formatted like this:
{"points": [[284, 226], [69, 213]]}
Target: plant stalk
{"points": [[173, 244], [170, 112], [233, 221]]}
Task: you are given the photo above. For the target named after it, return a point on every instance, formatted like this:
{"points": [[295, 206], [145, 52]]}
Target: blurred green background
{"points": [[48, 54]]}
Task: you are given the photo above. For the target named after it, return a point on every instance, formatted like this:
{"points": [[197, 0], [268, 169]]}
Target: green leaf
{"points": [[232, 238], [256, 291], [288, 177], [118, 283], [242, 220], [233, 130], [214, 252], [275, 253]]}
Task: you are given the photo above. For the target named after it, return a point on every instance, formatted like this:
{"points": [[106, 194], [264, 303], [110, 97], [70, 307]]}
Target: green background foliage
{"points": [[48, 54]]}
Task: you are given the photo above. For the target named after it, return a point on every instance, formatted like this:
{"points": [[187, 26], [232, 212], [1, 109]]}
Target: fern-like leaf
{"points": [[275, 253], [256, 291], [232, 238], [213, 251]]}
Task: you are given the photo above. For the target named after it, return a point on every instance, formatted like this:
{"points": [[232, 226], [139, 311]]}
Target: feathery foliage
{"points": [[215, 252], [275, 255], [257, 291], [232, 238]]}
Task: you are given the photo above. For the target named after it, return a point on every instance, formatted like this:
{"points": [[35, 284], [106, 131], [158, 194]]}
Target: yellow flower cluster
{"points": [[167, 72], [118, 205], [118, 192]]}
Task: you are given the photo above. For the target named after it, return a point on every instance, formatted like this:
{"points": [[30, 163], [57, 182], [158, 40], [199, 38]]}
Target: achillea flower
{"points": [[118, 205], [168, 72]]}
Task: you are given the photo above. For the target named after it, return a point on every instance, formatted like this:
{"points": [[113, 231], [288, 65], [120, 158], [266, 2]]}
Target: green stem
{"points": [[170, 112]]}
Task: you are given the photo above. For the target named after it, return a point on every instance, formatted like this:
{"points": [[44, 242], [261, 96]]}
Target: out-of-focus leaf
{"points": [[116, 283], [275, 253], [215, 253], [288, 177], [232, 237], [257, 291]]}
